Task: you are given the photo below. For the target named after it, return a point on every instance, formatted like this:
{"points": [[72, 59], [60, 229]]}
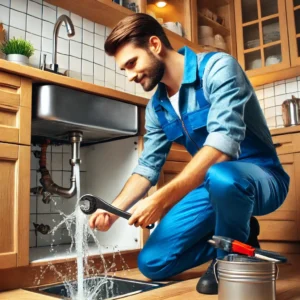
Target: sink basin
{"points": [[112, 287], [58, 110]]}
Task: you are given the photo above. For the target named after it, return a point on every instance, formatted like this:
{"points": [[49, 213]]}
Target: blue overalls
{"points": [[232, 192]]}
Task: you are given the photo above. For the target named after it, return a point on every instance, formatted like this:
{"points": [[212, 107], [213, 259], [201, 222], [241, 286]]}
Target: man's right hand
{"points": [[102, 220]]}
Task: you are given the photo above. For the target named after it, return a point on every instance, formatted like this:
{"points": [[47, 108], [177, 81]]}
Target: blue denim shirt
{"points": [[233, 107]]}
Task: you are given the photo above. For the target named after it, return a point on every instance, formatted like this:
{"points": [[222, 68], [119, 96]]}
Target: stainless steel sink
{"points": [[110, 287], [58, 110]]}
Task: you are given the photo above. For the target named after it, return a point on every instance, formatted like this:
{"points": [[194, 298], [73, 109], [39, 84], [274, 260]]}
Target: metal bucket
{"points": [[243, 278]]}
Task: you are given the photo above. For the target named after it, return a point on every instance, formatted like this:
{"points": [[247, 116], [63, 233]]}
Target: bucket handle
{"points": [[216, 276], [215, 272]]}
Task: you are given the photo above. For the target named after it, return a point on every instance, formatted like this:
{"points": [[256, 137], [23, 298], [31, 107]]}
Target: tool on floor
{"points": [[234, 246], [89, 204]]}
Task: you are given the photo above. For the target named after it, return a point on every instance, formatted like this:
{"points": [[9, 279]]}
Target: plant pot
{"points": [[18, 58]]}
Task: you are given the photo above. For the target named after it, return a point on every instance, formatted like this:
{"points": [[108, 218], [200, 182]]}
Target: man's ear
{"points": [[155, 45]]}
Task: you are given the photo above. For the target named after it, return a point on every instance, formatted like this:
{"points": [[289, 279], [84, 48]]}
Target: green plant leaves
{"points": [[17, 46]]}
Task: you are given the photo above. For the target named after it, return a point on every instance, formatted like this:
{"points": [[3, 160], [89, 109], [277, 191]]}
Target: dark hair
{"points": [[136, 29]]}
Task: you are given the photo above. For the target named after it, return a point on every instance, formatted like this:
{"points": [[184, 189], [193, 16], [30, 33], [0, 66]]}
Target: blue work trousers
{"points": [[232, 192]]}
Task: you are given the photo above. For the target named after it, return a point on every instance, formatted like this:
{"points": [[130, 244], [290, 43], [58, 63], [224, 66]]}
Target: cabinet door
{"points": [[262, 36], [281, 225], [14, 199], [293, 17]]}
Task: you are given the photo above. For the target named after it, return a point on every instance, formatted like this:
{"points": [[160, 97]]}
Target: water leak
{"points": [[80, 236]]}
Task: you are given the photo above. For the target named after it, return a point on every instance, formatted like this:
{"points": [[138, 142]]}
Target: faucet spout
{"points": [[70, 31]]}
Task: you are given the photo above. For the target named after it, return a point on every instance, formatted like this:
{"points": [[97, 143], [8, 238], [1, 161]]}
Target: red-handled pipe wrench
{"points": [[234, 246]]}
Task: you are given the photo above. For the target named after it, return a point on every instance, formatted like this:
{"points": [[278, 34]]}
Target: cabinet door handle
{"points": [[276, 145]]}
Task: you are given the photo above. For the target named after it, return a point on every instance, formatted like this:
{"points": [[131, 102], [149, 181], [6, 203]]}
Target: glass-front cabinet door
{"points": [[293, 17], [262, 38]]}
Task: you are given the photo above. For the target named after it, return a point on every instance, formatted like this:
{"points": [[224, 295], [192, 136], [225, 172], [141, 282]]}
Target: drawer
{"points": [[278, 230], [178, 153], [287, 143], [15, 109], [15, 124]]}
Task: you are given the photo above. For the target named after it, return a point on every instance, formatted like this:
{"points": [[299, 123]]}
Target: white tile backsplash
{"points": [[88, 25], [5, 3], [77, 20], [63, 46], [75, 50], [99, 29], [17, 33], [291, 87], [34, 9], [4, 14], [99, 57], [280, 89], [271, 97], [99, 41], [61, 11], [49, 14], [88, 38], [99, 72], [17, 19], [34, 25], [47, 45], [87, 54], [47, 31], [35, 40], [20, 5], [75, 64]]}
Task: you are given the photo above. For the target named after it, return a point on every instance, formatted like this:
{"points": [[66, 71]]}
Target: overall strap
{"points": [[160, 113], [199, 91]]}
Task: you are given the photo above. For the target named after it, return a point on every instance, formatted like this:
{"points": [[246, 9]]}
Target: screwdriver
{"points": [[234, 246]]}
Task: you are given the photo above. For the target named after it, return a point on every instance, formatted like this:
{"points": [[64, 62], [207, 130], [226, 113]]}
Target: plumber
{"points": [[206, 103]]}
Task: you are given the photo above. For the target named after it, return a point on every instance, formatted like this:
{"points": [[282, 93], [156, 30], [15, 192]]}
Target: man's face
{"points": [[141, 66]]}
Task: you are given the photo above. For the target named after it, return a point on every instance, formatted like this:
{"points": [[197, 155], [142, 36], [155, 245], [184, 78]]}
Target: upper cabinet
{"points": [[293, 18], [261, 29], [213, 24], [181, 18]]}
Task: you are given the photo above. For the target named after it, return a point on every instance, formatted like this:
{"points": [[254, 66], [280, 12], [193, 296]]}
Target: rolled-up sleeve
{"points": [[156, 148], [228, 90]]}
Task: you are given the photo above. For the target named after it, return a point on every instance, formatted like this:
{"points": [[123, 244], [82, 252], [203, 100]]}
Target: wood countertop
{"points": [[40, 76], [285, 130], [23, 295]]}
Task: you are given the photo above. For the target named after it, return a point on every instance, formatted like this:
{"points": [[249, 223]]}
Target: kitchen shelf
{"points": [[218, 28]]}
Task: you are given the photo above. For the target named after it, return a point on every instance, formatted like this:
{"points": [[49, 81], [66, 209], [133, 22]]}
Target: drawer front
{"points": [[15, 124], [278, 230], [287, 143], [15, 109], [178, 153]]}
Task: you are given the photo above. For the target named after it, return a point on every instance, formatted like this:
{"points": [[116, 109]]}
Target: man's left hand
{"points": [[145, 212]]}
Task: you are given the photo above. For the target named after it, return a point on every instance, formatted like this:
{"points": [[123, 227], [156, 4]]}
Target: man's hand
{"points": [[102, 220], [145, 212]]}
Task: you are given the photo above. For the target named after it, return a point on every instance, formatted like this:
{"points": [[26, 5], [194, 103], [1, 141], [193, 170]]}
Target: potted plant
{"points": [[17, 50]]}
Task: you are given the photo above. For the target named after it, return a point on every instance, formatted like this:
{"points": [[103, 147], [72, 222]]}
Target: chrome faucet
{"points": [[70, 31]]}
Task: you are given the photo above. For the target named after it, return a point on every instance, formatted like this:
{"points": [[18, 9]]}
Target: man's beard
{"points": [[154, 74]]}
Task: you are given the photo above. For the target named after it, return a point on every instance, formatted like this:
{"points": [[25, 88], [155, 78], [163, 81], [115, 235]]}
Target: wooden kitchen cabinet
{"points": [[261, 29], [293, 18], [282, 225], [15, 136], [219, 15], [15, 200]]}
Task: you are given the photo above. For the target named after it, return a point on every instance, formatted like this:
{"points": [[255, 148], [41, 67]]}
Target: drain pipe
{"points": [[75, 138]]}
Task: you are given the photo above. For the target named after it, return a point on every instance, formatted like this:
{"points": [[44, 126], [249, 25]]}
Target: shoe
{"points": [[207, 284], [254, 233]]}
